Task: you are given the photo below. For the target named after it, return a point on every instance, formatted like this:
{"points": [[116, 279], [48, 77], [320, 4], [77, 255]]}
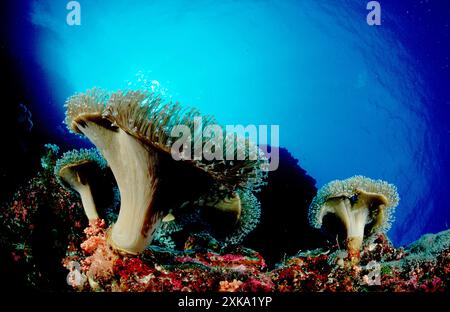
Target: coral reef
{"points": [[37, 225], [382, 268], [44, 242], [205, 264], [284, 228]]}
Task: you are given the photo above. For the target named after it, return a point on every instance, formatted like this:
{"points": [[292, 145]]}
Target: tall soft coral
{"points": [[133, 130]]}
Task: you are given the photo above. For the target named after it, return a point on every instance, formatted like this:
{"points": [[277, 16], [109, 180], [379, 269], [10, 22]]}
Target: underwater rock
{"points": [[430, 245], [426, 249], [284, 227], [24, 118], [22, 145]]}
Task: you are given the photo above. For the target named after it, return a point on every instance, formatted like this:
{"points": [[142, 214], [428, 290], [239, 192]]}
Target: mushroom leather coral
{"points": [[73, 169], [76, 181], [131, 129], [361, 204], [134, 160]]}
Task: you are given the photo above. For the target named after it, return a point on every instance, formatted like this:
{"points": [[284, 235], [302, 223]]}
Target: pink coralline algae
{"points": [[233, 286], [206, 265], [195, 269]]}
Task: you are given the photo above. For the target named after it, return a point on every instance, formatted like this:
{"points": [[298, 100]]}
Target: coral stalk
{"points": [[134, 168]]}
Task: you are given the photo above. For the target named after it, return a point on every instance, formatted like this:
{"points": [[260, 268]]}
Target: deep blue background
{"points": [[349, 98]]}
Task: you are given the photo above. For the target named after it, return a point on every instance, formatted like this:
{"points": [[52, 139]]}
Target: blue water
{"points": [[349, 98]]}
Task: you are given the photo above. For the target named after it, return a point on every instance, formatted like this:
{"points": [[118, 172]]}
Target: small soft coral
{"points": [[99, 263], [360, 203], [74, 171]]}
